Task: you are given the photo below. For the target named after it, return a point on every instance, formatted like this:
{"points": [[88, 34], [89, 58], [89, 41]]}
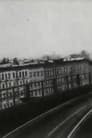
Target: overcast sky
{"points": [[34, 28]]}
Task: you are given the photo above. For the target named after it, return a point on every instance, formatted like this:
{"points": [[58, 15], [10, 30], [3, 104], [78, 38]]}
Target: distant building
{"points": [[43, 78]]}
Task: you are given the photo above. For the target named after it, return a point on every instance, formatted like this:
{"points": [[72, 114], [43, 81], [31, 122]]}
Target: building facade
{"points": [[43, 79]]}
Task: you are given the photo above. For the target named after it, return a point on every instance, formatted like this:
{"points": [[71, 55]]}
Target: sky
{"points": [[32, 28]]}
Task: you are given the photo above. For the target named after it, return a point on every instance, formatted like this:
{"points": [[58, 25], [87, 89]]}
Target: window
{"points": [[4, 96], [6, 76], [35, 84], [50, 71], [34, 74], [16, 93], [30, 74], [41, 83], [5, 106], [35, 93], [30, 84], [14, 83], [65, 69], [37, 73], [9, 75], [69, 78], [86, 76], [11, 94], [9, 84], [3, 85], [13, 74], [41, 73], [8, 94], [25, 73], [21, 82], [69, 85], [26, 81], [22, 93], [11, 104], [17, 74], [62, 69], [62, 80], [38, 83], [20, 74], [40, 92], [2, 76]]}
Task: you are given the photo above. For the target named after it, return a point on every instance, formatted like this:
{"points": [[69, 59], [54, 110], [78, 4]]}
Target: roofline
{"points": [[41, 65]]}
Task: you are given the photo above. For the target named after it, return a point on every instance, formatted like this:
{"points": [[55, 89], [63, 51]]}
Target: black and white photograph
{"points": [[45, 69]]}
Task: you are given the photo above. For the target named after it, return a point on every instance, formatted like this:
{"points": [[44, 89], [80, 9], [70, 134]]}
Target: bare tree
{"points": [[16, 61], [85, 54]]}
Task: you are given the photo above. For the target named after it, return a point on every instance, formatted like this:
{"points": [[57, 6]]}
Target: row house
{"points": [[78, 73], [61, 75], [49, 76], [43, 79], [83, 72], [71, 74], [14, 81], [36, 78]]}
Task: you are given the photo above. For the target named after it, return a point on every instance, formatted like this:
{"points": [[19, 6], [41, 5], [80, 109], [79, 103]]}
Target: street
{"points": [[85, 129], [57, 124]]}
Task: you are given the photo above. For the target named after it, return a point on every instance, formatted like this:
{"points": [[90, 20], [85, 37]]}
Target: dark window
{"points": [[13, 75], [37, 73], [35, 93], [22, 93], [30, 84], [9, 84], [11, 94], [16, 93], [26, 81], [5, 106], [20, 82], [38, 83], [41, 73], [3, 85], [35, 84], [20, 74], [34, 74], [16, 74], [2, 76], [11, 104], [14, 83], [25, 73], [6, 76], [30, 74], [9, 75], [4, 95]]}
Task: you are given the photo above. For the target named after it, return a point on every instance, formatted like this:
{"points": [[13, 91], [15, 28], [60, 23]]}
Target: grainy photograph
{"points": [[45, 69]]}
